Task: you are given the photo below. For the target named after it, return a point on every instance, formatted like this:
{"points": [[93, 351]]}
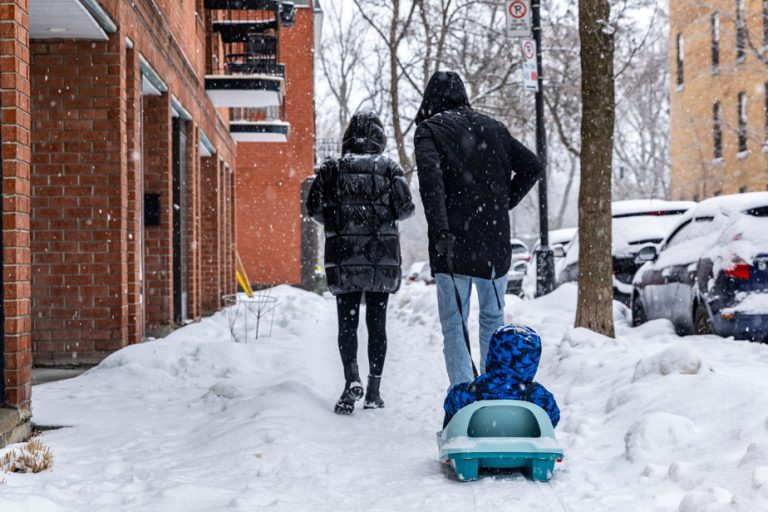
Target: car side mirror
{"points": [[558, 250], [648, 253]]}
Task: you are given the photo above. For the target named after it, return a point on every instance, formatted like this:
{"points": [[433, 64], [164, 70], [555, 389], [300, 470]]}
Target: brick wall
{"points": [[211, 245], [79, 201], [269, 238], [16, 156], [135, 197], [158, 247], [696, 173]]}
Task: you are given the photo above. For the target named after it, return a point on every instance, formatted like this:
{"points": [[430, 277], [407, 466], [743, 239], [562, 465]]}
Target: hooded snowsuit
{"points": [[359, 198], [513, 358], [465, 162]]}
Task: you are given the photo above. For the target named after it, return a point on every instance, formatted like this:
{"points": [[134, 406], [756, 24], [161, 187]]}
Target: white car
{"points": [[635, 224], [420, 272], [558, 241]]}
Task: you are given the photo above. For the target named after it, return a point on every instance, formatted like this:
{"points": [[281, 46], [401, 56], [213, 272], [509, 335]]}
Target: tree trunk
{"points": [[595, 305]]}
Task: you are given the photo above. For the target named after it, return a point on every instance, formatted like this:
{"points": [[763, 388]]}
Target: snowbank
{"points": [[194, 422]]}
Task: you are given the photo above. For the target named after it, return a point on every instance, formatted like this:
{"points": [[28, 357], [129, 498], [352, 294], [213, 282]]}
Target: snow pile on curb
{"points": [[195, 422]]}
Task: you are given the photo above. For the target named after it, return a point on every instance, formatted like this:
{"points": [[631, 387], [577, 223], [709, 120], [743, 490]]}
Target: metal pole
{"points": [[545, 260]]}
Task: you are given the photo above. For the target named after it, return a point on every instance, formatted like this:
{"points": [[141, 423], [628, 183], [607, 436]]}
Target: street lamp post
{"points": [[545, 259]]}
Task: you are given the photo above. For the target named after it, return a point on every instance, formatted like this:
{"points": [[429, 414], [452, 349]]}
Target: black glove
{"points": [[445, 243]]}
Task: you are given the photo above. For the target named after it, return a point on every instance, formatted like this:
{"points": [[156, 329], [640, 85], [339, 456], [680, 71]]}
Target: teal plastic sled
{"points": [[500, 434]]}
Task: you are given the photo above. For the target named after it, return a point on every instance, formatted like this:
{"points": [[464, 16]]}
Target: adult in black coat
{"points": [[359, 198], [465, 165], [466, 162]]}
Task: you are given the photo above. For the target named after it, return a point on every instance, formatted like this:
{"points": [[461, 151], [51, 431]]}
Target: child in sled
{"points": [[513, 358]]}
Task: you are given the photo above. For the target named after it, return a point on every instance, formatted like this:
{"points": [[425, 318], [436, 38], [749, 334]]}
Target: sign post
{"points": [[545, 258], [518, 14]]}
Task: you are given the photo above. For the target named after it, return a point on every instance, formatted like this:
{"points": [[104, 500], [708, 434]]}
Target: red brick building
{"points": [[118, 165], [274, 241]]}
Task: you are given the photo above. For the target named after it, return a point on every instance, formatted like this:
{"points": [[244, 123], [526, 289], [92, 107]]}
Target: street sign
{"points": [[530, 69], [518, 13]]}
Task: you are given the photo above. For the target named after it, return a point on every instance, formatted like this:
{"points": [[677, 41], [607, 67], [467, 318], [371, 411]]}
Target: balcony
{"points": [[246, 71], [237, 31], [243, 5], [252, 91], [258, 125]]}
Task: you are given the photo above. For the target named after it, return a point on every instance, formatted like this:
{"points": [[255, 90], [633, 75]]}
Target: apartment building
{"points": [[118, 165], [719, 97]]}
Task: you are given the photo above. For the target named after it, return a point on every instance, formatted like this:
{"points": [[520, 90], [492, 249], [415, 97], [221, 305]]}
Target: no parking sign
{"points": [[518, 13], [529, 67]]}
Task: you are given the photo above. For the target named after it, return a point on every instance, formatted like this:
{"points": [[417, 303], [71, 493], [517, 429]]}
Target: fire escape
{"points": [[246, 74]]}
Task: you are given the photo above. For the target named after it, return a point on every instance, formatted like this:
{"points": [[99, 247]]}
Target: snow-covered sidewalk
{"points": [[194, 422]]}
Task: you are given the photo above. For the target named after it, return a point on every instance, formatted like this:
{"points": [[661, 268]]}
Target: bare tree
{"points": [[341, 55], [596, 32], [392, 21]]}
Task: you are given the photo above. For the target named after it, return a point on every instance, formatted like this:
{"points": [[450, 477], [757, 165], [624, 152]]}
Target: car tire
{"points": [[638, 312], [702, 324]]}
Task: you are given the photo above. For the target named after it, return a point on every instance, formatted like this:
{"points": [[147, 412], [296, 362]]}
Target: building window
{"points": [[765, 25], [742, 122], [718, 129], [741, 32], [680, 59], [718, 193], [744, 189], [716, 42]]}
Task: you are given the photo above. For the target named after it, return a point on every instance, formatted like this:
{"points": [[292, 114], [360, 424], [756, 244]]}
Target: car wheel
{"points": [[702, 324], [638, 312]]}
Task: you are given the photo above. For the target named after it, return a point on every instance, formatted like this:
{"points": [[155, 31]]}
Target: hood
{"points": [[445, 91], [514, 351], [364, 135]]}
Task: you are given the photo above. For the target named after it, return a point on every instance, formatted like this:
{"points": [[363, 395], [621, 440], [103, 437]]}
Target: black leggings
{"points": [[348, 311]]}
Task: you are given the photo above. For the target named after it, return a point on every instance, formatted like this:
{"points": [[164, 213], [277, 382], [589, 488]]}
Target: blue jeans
{"points": [[457, 360]]}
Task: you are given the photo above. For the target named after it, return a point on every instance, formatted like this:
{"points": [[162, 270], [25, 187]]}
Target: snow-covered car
{"points": [[519, 251], [420, 271], [558, 241], [710, 275], [515, 278], [635, 224]]}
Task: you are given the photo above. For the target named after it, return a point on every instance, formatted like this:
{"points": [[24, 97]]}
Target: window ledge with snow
{"points": [[741, 155]]}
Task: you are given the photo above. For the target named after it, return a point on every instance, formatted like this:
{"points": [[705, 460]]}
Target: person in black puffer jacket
{"points": [[359, 198]]}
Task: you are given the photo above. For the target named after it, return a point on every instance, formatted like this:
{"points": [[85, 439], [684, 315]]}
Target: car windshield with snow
{"points": [[711, 274], [636, 224]]}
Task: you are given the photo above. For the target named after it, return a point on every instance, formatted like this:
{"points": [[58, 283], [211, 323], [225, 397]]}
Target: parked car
{"points": [[519, 251], [558, 241], [515, 278], [419, 272], [710, 275], [635, 224]]}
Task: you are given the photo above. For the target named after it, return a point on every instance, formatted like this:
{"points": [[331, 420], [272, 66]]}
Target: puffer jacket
{"points": [[513, 358], [465, 163], [359, 198]]}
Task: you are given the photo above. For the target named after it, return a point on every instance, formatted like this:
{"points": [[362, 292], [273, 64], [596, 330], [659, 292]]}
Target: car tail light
{"points": [[739, 271]]}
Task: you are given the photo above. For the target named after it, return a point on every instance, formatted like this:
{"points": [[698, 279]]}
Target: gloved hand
{"points": [[445, 243]]}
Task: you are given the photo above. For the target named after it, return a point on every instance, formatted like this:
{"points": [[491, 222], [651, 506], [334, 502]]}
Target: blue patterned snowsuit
{"points": [[513, 358]]}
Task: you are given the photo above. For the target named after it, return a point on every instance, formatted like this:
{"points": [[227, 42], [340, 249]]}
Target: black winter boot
{"points": [[353, 391], [372, 398]]}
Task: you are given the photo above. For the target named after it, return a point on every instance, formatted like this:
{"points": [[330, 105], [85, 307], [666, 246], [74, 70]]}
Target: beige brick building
{"points": [[719, 90]]}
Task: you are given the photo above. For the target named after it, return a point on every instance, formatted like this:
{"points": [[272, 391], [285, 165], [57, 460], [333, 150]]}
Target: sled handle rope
{"points": [[242, 277], [457, 295]]}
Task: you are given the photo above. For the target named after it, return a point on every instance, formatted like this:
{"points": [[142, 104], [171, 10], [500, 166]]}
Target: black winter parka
{"points": [[359, 198], [465, 163]]}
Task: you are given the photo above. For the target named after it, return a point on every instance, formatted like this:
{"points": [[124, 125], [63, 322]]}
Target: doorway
{"points": [[180, 222]]}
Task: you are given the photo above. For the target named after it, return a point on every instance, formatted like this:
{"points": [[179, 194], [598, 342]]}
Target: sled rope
{"points": [[456, 293]]}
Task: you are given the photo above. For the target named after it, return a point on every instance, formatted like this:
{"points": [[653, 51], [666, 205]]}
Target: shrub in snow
{"points": [[672, 360], [33, 457], [650, 438]]}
